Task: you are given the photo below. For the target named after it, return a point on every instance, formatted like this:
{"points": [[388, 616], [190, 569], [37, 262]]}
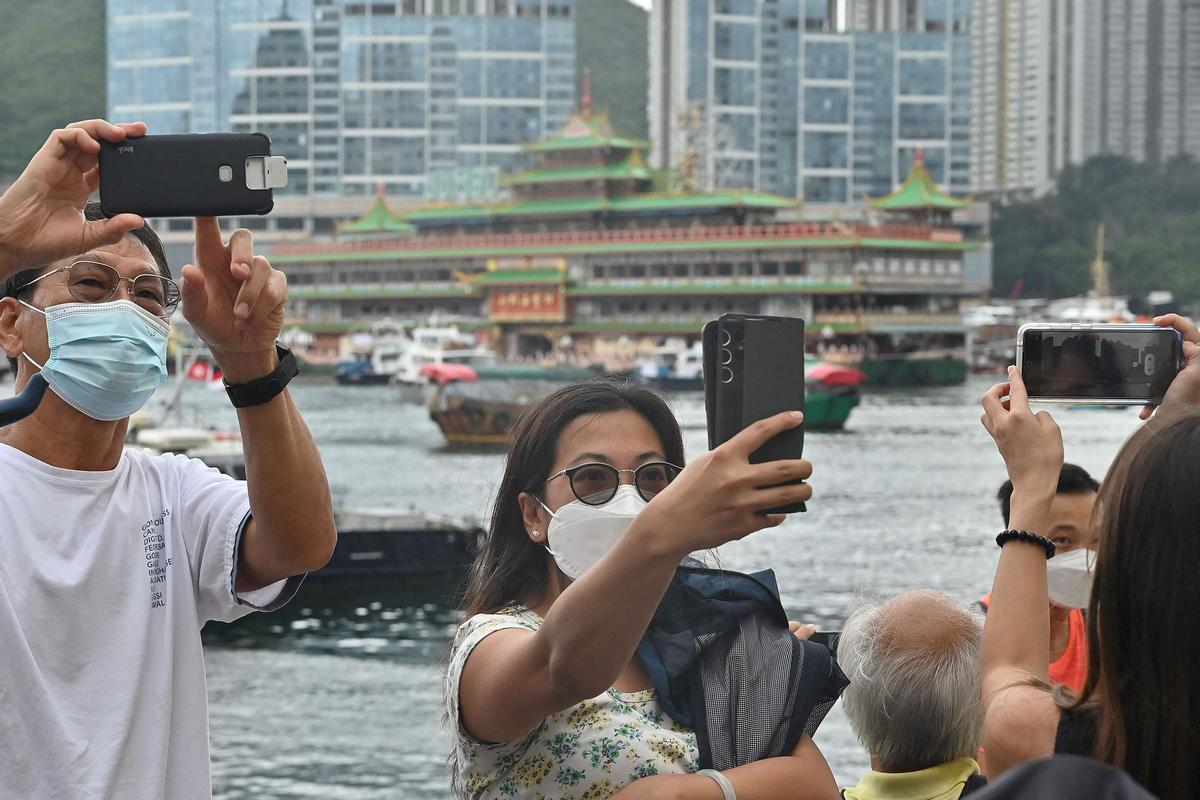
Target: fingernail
{"points": [[797, 415], [242, 310]]}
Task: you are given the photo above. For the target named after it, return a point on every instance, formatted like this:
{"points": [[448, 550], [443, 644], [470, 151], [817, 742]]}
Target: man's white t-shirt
{"points": [[105, 581]]}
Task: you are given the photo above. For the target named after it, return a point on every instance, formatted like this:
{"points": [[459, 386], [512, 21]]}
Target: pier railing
{"points": [[781, 231]]}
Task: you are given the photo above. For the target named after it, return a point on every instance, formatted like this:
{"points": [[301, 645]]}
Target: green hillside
{"points": [[611, 40], [52, 63], [1151, 215]]}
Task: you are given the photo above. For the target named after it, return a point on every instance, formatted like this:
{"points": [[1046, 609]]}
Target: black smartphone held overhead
{"points": [[754, 369], [1098, 363], [827, 638], [190, 175]]}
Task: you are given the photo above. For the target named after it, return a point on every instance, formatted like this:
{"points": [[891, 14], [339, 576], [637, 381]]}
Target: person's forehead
{"points": [[620, 436], [128, 256]]}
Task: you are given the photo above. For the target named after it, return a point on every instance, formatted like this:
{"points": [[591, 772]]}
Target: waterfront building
{"points": [[357, 95], [783, 96], [588, 262]]}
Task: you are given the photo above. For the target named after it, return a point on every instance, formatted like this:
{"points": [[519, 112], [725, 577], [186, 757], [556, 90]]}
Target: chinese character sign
{"points": [[527, 305]]}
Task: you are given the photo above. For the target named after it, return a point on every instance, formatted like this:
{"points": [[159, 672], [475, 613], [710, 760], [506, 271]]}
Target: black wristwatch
{"points": [[261, 390]]}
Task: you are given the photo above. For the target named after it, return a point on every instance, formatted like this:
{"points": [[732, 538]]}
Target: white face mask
{"points": [[579, 535], [1069, 578]]}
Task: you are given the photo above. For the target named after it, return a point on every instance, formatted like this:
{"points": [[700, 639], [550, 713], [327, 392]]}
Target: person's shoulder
{"points": [[477, 626], [172, 464], [1020, 723]]}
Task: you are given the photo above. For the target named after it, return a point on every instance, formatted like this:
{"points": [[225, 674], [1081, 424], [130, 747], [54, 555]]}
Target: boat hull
{"points": [[477, 422], [828, 409], [427, 552], [949, 371]]}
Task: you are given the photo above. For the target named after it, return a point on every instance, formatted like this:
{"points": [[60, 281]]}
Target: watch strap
{"points": [[264, 389]]}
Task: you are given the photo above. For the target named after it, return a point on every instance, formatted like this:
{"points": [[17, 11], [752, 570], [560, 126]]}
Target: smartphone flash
{"points": [[225, 173]]}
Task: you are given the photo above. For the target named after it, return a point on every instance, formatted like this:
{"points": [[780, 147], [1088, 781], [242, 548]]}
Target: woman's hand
{"points": [[1031, 444], [717, 497], [41, 214], [1185, 389]]}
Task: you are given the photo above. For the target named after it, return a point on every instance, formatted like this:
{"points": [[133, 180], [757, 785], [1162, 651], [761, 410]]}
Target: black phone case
{"points": [[765, 356], [177, 175]]}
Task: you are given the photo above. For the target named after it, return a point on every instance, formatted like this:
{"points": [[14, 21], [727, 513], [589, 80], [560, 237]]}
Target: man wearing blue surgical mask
{"points": [[113, 560]]}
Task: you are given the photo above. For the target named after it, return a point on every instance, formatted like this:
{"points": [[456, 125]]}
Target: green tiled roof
{"points": [[540, 275], [684, 245], [634, 204], [379, 219], [585, 143], [392, 291], [628, 169], [586, 131], [691, 288], [919, 191]]}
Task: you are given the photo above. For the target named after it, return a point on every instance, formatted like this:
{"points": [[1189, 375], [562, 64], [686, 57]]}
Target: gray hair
{"points": [[914, 694]]}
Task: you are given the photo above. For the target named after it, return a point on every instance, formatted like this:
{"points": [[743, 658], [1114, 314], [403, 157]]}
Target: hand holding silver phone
{"points": [[1109, 364]]}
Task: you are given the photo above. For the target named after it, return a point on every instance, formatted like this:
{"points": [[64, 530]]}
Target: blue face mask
{"points": [[106, 359]]}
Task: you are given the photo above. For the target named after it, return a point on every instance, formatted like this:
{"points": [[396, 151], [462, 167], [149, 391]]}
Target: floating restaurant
{"points": [[587, 261]]}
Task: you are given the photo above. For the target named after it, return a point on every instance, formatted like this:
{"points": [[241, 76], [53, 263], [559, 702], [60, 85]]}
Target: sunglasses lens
{"points": [[653, 478], [595, 484]]}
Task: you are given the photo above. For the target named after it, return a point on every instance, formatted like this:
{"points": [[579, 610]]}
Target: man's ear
{"points": [[10, 336], [533, 516]]}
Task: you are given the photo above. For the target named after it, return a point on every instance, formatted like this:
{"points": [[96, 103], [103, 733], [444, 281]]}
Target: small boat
{"points": [[433, 345], [376, 356], [478, 405], [830, 394], [674, 370], [392, 543]]}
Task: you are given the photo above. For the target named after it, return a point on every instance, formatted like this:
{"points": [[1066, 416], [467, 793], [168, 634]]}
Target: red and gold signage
{"points": [[543, 304]]}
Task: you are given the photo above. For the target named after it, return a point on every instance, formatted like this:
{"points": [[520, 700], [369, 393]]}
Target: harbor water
{"points": [[339, 695]]}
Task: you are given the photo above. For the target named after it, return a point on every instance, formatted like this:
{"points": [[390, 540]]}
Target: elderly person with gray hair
{"points": [[913, 699]]}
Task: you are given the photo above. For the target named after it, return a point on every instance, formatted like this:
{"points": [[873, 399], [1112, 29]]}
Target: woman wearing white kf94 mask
{"points": [[592, 518]]}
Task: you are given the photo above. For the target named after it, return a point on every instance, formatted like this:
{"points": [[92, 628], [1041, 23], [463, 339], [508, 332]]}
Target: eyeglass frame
{"points": [[168, 307], [576, 467]]}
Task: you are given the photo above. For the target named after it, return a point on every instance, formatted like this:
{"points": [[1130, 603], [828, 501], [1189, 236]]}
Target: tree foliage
{"points": [[52, 60], [1151, 215], [611, 41]]}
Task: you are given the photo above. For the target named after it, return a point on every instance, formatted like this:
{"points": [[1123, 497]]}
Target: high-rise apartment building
{"points": [[1058, 81], [357, 95], [789, 96], [1036, 86], [1150, 82]]}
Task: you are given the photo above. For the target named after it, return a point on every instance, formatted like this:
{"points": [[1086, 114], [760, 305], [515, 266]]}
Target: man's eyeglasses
{"points": [[595, 483], [93, 282]]}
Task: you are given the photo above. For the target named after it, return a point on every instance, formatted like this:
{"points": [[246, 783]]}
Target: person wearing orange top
{"points": [[1070, 529]]}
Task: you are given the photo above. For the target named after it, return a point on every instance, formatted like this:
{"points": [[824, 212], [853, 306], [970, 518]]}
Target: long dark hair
{"points": [[1143, 638], [509, 567]]}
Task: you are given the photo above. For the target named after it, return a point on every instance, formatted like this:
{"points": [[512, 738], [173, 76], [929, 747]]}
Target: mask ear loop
{"points": [[546, 544]]}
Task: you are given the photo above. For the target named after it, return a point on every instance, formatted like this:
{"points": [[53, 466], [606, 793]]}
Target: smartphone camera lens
{"points": [[725, 339], [726, 375], [726, 355]]}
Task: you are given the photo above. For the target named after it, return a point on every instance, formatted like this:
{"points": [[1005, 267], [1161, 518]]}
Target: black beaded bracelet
{"points": [[1024, 536]]}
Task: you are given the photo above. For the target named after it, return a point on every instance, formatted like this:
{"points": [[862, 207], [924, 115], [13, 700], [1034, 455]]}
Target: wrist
{"points": [[245, 367], [657, 544]]}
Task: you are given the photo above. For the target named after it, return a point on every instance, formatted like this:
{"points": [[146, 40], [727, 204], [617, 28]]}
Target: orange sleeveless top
{"points": [[1070, 669]]}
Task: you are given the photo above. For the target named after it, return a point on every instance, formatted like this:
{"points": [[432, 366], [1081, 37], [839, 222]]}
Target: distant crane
{"points": [[1101, 283]]}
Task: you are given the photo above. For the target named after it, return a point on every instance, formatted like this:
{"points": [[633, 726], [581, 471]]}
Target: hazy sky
{"points": [[642, 3]]}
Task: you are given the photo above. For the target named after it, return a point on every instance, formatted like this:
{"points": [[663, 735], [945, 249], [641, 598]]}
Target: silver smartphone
{"points": [[1109, 364]]}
